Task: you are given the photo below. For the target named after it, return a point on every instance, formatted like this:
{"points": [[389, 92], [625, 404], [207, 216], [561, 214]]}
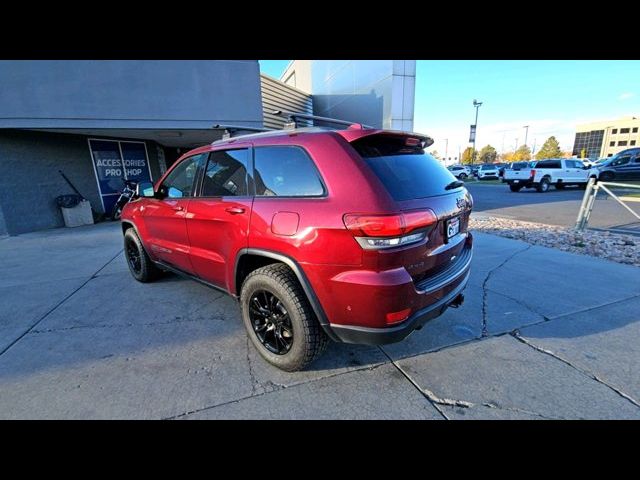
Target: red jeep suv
{"points": [[355, 235]]}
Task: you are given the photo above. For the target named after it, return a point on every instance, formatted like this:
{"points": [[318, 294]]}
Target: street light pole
{"points": [[526, 134], [477, 105], [446, 149], [516, 144]]}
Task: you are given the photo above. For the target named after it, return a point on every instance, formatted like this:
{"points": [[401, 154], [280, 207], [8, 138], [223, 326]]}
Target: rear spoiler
{"points": [[351, 135]]}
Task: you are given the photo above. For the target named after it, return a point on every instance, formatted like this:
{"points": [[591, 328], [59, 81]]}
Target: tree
{"points": [[488, 154], [522, 153], [550, 149], [467, 156]]}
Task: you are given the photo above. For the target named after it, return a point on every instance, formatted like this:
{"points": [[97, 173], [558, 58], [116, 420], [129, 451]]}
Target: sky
{"points": [[551, 96]]}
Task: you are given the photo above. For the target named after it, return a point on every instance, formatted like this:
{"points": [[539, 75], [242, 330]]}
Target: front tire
{"points": [[543, 186], [606, 176], [279, 319], [139, 263], [116, 213], [462, 176]]}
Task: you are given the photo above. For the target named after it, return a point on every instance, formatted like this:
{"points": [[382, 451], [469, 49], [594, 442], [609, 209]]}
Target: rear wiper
{"points": [[454, 184]]}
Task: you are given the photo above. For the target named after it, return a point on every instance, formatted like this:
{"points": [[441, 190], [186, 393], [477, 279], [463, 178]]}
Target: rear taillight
{"points": [[388, 231], [533, 173]]}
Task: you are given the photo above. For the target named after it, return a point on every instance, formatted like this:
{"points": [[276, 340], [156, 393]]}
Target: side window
{"points": [[180, 182], [286, 171], [637, 159], [621, 161], [226, 174]]}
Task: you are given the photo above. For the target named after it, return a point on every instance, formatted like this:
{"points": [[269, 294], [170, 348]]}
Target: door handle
{"points": [[234, 210], [178, 208]]}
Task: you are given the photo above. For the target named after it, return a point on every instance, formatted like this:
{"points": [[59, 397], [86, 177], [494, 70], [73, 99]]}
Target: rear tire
{"points": [[462, 176], [560, 186], [514, 188], [543, 186], [139, 263], [279, 319]]}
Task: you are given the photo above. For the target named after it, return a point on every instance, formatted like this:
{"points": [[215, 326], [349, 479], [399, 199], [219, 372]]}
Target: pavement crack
{"points": [[52, 309], [485, 289], [269, 392], [254, 382], [516, 334], [521, 303], [520, 410], [428, 394]]}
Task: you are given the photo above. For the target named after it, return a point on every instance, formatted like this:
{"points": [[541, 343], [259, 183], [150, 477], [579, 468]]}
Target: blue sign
{"points": [[116, 161]]}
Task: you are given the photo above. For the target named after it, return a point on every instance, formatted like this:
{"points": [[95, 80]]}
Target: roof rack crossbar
{"points": [[292, 116], [231, 130]]}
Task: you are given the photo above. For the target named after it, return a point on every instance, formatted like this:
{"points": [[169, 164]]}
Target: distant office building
{"points": [[606, 138], [380, 93]]}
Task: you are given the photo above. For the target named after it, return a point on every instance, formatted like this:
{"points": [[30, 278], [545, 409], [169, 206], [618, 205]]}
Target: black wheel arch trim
{"points": [[300, 275]]}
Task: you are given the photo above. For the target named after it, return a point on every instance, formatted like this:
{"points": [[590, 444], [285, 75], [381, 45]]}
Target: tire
{"points": [[276, 287], [143, 270], [543, 186], [462, 176], [559, 186], [514, 188], [606, 176]]}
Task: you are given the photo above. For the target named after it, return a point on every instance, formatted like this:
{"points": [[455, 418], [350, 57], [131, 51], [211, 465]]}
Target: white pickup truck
{"points": [[558, 172]]}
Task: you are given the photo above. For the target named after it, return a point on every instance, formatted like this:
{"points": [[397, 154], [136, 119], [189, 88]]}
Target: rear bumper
{"points": [[521, 183], [379, 336]]}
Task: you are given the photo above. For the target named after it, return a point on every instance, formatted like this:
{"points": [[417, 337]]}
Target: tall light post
{"points": [[516, 145], [477, 105], [526, 134], [446, 149]]}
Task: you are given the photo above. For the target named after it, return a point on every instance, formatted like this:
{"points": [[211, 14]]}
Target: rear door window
{"points": [[226, 174], [407, 172], [549, 164], [286, 171]]}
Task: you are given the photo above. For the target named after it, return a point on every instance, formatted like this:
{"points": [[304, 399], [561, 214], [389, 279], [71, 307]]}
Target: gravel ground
{"points": [[611, 246]]}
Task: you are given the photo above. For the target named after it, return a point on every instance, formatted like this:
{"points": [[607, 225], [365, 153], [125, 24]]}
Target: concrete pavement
{"points": [[542, 334]]}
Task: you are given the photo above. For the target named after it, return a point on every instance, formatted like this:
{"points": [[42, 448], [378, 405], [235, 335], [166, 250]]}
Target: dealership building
{"points": [[606, 138], [102, 122]]}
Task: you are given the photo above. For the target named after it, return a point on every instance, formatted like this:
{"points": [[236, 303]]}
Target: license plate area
{"points": [[451, 228]]}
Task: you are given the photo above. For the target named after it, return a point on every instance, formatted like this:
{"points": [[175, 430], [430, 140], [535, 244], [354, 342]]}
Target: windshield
{"points": [[488, 167], [407, 172]]}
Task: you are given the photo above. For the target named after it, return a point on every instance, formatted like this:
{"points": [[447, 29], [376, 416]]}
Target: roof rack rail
{"points": [[231, 130], [292, 116]]}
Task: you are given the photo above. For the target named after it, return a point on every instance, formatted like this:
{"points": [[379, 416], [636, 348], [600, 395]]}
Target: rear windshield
{"points": [[407, 172]]}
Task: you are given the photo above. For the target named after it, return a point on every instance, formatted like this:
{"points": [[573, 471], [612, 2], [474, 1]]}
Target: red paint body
{"points": [[354, 286]]}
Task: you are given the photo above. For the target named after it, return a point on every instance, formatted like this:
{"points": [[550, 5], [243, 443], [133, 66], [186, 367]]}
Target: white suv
{"points": [[488, 171], [460, 171]]}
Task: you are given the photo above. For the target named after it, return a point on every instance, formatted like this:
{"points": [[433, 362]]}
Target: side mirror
{"points": [[145, 189]]}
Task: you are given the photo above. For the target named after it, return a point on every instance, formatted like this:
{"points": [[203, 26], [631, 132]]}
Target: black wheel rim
{"points": [[133, 256], [271, 322]]}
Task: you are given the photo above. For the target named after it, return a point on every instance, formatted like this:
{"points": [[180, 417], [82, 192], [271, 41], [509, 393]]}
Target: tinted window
{"points": [[179, 183], [612, 144], [635, 130], [226, 174], [622, 143], [549, 164], [406, 172], [615, 130], [286, 172], [621, 161], [624, 130]]}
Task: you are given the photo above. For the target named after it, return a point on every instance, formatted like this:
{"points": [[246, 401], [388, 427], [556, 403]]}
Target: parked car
{"points": [[474, 170], [460, 171], [488, 171], [272, 219], [558, 172], [625, 165]]}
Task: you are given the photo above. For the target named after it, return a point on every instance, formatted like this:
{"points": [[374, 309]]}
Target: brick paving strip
{"points": [[616, 247]]}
